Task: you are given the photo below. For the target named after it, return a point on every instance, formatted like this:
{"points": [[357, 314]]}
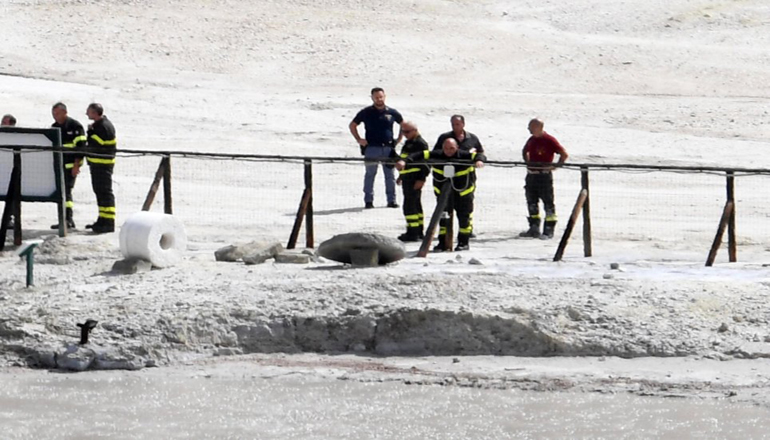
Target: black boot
{"points": [[440, 247], [107, 225], [548, 230], [98, 222], [412, 234], [534, 228], [462, 242], [68, 217]]}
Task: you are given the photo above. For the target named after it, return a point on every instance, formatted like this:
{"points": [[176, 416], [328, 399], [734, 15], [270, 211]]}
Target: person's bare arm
{"points": [[400, 135], [354, 131]]}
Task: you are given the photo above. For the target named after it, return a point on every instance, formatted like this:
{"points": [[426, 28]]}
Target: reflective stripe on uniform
{"points": [[426, 154], [466, 230], [107, 212], [101, 161], [69, 165], [551, 218], [436, 190], [409, 170], [412, 217], [442, 230], [465, 171], [101, 141], [80, 138], [438, 171], [69, 204], [68, 145], [468, 191]]}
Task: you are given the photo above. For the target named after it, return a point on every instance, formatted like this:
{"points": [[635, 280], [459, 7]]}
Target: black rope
{"points": [[620, 167]]}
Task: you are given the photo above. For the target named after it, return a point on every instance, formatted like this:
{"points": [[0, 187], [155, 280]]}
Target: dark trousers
{"points": [[540, 187], [463, 207], [69, 185], [101, 182], [415, 219]]}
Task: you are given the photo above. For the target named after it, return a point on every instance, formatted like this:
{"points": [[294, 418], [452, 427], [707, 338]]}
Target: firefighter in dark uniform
{"points": [[73, 138], [462, 186], [412, 180], [102, 144], [466, 141]]}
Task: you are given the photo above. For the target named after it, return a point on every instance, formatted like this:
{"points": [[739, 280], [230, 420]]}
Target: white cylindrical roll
{"points": [[157, 238]]}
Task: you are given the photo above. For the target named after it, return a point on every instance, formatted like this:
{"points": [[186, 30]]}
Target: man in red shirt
{"points": [[538, 153]]}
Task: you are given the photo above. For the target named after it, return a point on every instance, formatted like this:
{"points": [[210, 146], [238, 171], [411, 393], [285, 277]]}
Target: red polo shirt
{"points": [[543, 148]]}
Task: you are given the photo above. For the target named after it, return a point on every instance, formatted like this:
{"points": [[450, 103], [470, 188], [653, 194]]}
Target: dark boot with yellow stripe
{"points": [[106, 225]]}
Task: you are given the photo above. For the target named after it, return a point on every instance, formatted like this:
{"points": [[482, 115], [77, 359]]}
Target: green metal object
{"points": [[29, 253]]}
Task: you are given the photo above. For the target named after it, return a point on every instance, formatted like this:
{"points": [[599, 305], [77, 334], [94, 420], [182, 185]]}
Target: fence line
{"points": [[619, 187]]}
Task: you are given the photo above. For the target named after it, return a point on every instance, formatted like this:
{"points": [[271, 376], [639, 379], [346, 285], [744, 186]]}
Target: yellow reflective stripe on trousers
{"points": [[101, 141], [412, 217], [468, 191], [101, 161], [442, 230], [551, 218], [107, 212], [466, 230], [413, 224], [69, 204]]}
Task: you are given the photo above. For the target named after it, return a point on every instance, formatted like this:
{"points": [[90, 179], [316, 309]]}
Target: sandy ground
{"points": [[635, 82]]}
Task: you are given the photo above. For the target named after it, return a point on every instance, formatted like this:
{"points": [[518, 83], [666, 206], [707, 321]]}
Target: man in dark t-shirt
{"points": [[378, 144], [539, 153]]}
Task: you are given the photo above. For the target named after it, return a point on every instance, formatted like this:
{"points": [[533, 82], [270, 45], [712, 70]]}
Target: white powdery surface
{"points": [[635, 82]]}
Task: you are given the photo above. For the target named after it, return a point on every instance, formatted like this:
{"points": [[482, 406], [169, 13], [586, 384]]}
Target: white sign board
{"points": [[38, 168]]}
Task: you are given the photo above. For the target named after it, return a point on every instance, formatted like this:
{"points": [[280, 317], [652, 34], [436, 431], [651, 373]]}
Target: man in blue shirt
{"points": [[378, 144]]}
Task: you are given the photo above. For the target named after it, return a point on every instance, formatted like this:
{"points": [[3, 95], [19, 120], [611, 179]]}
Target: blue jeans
{"points": [[379, 152]]}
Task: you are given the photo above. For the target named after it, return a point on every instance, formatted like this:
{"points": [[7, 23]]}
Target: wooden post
{"points": [[16, 205], [9, 208], [571, 224], [726, 213], [732, 246], [168, 204], [298, 220], [155, 185], [309, 231], [587, 238], [434, 220]]}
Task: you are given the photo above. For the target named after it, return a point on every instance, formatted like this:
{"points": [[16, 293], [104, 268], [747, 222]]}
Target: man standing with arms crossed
{"points": [[378, 144], [102, 144], [73, 137], [538, 153]]}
